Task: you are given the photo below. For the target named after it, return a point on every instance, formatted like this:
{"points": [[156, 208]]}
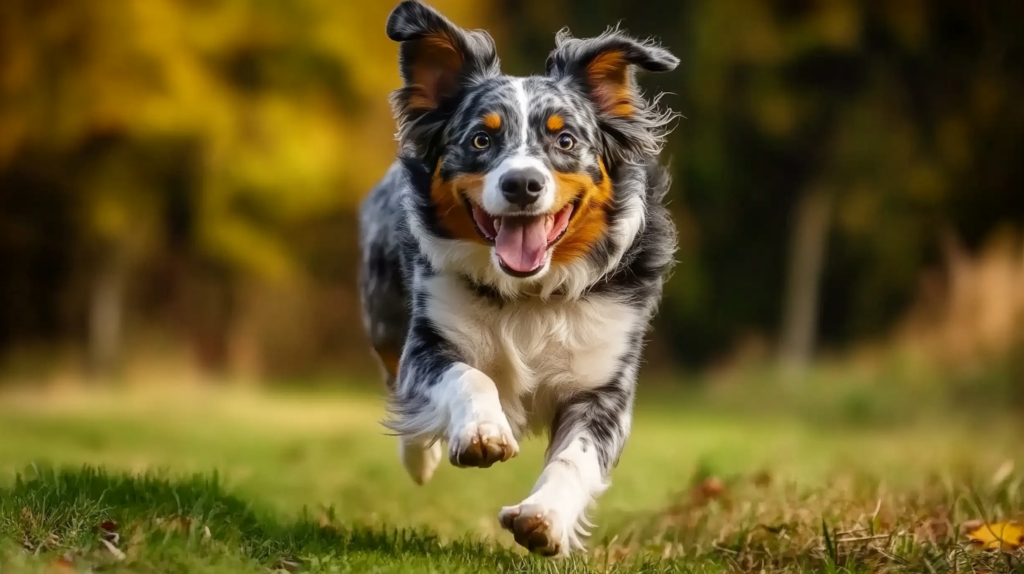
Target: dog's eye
{"points": [[481, 141], [566, 142]]}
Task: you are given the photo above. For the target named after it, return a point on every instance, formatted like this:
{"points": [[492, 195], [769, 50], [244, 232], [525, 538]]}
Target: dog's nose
{"points": [[522, 186]]}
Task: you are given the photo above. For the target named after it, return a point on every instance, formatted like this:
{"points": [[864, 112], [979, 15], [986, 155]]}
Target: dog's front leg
{"points": [[587, 437], [478, 432], [440, 396]]}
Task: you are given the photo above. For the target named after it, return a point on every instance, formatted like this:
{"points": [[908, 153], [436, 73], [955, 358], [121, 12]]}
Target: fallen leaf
{"points": [[1005, 536], [709, 489], [62, 564], [108, 531]]}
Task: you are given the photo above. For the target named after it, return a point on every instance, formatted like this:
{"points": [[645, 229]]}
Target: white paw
{"points": [[536, 528], [419, 459], [482, 444]]}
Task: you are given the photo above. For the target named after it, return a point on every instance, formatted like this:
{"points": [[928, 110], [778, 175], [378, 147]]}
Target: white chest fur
{"points": [[535, 351]]}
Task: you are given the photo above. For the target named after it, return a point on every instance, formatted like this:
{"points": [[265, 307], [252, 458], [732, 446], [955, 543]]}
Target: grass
{"points": [[215, 480]]}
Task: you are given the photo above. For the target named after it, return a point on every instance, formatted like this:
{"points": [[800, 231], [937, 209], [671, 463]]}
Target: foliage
{"points": [[904, 113], [1003, 536], [278, 106], [194, 139], [201, 151]]}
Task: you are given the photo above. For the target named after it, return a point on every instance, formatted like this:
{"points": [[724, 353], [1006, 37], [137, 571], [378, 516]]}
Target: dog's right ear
{"points": [[437, 60]]}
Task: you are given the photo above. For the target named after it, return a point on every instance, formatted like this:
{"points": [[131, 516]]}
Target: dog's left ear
{"points": [[605, 68], [437, 59]]}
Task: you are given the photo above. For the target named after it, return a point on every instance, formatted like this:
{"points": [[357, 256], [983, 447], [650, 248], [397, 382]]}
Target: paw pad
{"points": [[481, 446], [533, 528]]}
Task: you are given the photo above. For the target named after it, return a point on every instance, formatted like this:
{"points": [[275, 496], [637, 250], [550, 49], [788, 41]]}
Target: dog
{"points": [[513, 257]]}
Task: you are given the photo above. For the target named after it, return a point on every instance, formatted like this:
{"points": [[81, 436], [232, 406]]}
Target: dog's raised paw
{"points": [[481, 445], [534, 528]]}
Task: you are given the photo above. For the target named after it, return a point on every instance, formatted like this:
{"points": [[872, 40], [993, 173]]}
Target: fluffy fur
{"points": [[513, 258]]}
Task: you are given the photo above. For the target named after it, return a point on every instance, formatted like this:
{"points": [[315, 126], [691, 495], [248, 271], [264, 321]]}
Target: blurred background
{"points": [[179, 181]]}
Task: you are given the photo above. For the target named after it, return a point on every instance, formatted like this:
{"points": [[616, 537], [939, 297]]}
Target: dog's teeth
{"points": [[497, 223]]}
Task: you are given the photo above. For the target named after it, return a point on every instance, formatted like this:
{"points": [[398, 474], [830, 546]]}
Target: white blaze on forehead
{"points": [[524, 111], [494, 201]]}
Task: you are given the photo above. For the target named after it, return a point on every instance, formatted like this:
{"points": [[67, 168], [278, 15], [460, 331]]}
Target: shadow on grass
{"points": [[152, 523], [50, 512]]}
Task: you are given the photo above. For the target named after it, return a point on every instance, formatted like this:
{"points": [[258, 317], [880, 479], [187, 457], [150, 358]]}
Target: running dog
{"points": [[513, 257]]}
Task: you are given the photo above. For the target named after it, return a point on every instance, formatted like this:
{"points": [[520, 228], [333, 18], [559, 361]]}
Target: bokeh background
{"points": [[179, 181], [840, 348]]}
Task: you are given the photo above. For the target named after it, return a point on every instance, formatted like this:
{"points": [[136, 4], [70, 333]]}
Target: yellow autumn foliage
{"points": [[284, 104], [1005, 536]]}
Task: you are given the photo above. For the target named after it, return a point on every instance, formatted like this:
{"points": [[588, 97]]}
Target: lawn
{"points": [[219, 480]]}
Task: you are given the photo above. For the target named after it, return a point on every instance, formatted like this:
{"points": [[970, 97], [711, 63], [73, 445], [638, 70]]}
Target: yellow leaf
{"points": [[1006, 536]]}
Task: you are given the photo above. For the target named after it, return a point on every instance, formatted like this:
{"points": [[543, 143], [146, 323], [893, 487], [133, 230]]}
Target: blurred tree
{"points": [[826, 144], [200, 132], [200, 160]]}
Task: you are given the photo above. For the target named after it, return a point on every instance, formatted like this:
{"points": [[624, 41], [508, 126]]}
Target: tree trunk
{"points": [[106, 313], [210, 313], [812, 218]]}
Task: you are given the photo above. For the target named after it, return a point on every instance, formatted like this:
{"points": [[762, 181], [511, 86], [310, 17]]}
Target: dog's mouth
{"points": [[522, 241]]}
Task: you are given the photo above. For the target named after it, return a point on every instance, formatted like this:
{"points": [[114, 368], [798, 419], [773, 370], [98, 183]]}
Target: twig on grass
{"points": [[862, 538]]}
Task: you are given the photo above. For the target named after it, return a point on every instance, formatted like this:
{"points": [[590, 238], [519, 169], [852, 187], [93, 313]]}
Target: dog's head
{"points": [[518, 175]]}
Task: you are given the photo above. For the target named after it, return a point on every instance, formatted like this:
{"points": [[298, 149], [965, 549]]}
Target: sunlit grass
{"points": [[311, 482]]}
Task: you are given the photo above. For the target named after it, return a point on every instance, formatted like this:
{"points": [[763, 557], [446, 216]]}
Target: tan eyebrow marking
{"points": [[492, 121], [555, 122]]}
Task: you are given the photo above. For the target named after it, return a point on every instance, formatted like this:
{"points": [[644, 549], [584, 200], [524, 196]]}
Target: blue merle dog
{"points": [[513, 257]]}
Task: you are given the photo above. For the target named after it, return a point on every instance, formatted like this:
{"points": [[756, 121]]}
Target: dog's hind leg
{"points": [[420, 458], [382, 290]]}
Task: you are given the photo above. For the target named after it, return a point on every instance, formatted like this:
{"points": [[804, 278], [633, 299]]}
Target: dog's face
{"points": [[520, 166], [522, 171]]}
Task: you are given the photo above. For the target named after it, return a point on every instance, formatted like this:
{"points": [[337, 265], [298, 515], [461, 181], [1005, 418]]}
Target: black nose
{"points": [[522, 186]]}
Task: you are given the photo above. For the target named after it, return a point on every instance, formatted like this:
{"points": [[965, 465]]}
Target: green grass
{"points": [[231, 481]]}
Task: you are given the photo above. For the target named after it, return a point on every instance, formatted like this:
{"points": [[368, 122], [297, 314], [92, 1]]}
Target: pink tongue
{"points": [[521, 242]]}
